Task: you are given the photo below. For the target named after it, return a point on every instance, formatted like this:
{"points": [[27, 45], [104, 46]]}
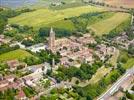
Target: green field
{"points": [[16, 54], [70, 25], [65, 24], [105, 26], [43, 17], [101, 72], [129, 60], [114, 58]]}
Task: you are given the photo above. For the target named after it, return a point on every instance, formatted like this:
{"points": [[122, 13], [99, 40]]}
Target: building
{"points": [[15, 64], [37, 47], [103, 51], [19, 44], [32, 79], [21, 96], [10, 82], [4, 40], [41, 68], [52, 40]]}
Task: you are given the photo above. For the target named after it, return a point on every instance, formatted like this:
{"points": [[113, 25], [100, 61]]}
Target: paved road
{"points": [[116, 86]]}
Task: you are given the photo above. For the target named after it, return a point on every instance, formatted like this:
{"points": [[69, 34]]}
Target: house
{"points": [[28, 80], [39, 68], [86, 39], [10, 78], [3, 83], [32, 79], [64, 61], [15, 64], [37, 47], [103, 51], [19, 44], [10, 82], [21, 95], [35, 68], [16, 84], [8, 28]]}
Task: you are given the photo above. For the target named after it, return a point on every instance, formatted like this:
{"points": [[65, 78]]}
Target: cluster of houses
{"points": [[123, 41], [12, 82], [30, 80], [103, 51], [15, 64], [74, 51]]}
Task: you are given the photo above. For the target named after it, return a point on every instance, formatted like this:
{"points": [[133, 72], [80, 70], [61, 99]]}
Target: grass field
{"points": [[129, 60], [65, 24], [105, 26], [69, 25], [101, 72], [130, 63], [16, 54], [42, 17], [114, 58]]}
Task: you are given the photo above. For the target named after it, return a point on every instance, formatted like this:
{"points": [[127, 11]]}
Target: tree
{"points": [[129, 96], [3, 22], [120, 68], [89, 98], [131, 49], [80, 24], [32, 61]]}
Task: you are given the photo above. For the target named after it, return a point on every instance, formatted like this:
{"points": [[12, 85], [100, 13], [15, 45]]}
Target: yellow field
{"points": [[42, 17], [105, 26]]}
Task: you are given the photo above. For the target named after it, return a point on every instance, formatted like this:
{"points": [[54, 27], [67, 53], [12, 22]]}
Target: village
{"points": [[67, 50], [73, 52]]}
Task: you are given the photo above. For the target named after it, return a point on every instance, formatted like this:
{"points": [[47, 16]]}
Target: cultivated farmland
{"points": [[42, 17], [124, 3], [105, 26], [119, 3]]}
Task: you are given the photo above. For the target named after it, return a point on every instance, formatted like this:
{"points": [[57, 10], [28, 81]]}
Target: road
{"points": [[117, 85]]}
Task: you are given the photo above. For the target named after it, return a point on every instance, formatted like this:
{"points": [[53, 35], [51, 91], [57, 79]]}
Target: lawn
{"points": [[42, 17], [105, 26], [16, 54]]}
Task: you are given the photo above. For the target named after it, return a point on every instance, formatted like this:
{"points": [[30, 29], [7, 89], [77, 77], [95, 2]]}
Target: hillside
{"points": [[105, 26], [43, 17]]}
